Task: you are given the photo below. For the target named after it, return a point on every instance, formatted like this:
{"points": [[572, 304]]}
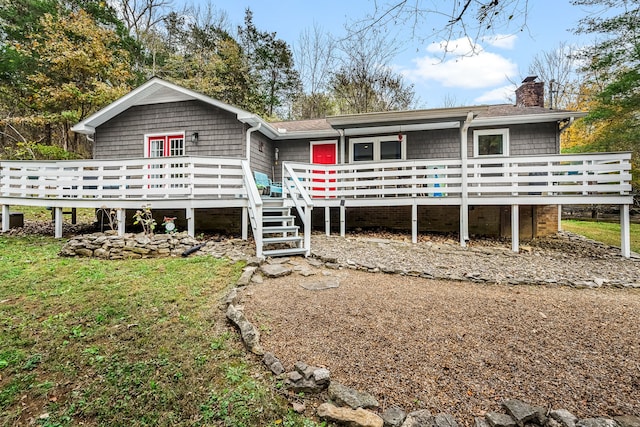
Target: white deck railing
{"points": [[591, 175], [157, 178], [594, 175]]}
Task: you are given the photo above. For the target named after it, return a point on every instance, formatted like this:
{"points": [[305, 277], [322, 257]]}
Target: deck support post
{"points": [[245, 226], [625, 231], [57, 218], [343, 220], [327, 220], [559, 217], [191, 221], [414, 222], [6, 218], [515, 228], [307, 231], [464, 196], [120, 217]]}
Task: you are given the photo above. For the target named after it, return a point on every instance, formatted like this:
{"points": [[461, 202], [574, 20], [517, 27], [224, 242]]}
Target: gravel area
{"points": [[462, 347]]}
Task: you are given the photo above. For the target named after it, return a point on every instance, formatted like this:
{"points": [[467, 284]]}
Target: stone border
{"points": [[347, 406]]}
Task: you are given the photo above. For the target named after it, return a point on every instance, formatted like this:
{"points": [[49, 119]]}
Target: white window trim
{"points": [[327, 142], [153, 135], [375, 140], [505, 139]]}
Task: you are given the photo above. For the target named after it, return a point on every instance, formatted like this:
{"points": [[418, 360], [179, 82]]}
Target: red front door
{"points": [[323, 154]]}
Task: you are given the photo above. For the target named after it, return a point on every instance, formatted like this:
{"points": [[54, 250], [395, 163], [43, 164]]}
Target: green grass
{"points": [[124, 343], [605, 232], [39, 213]]}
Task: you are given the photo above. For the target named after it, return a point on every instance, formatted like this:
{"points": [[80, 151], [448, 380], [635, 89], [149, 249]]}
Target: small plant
{"points": [[111, 215], [144, 217]]}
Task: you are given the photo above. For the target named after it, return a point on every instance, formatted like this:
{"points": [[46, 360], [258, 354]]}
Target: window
{"points": [[377, 148], [491, 142], [168, 145]]}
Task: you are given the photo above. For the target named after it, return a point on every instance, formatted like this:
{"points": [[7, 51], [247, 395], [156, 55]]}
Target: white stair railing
{"points": [[254, 206], [294, 189]]}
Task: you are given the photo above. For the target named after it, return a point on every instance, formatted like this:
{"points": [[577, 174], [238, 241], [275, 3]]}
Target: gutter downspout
{"points": [[249, 132], [464, 204]]}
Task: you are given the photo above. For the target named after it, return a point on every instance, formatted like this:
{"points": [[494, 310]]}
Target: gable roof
{"points": [[157, 91]]}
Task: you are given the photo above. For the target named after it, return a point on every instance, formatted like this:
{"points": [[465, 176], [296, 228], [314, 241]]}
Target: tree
{"points": [[468, 19], [315, 59], [78, 69], [197, 51], [271, 65], [559, 68], [365, 82], [614, 65]]}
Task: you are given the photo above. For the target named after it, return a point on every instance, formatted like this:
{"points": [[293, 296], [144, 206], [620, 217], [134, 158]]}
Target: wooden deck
{"points": [[202, 182]]}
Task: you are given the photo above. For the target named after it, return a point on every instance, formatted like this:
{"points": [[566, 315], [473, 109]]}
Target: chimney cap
{"points": [[529, 79]]}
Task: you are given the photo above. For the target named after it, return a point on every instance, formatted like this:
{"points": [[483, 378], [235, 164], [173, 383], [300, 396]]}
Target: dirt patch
{"points": [[459, 347]]}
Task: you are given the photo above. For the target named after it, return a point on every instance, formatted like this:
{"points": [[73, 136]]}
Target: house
{"points": [[486, 170]]}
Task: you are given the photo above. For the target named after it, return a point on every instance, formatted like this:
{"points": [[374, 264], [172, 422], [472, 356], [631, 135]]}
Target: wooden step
{"points": [[284, 252], [292, 239], [277, 218], [275, 210], [280, 229]]}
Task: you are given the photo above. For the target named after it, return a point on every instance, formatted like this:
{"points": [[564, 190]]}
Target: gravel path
{"points": [[462, 347]]}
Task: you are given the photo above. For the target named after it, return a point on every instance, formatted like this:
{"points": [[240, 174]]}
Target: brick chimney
{"points": [[530, 93]]}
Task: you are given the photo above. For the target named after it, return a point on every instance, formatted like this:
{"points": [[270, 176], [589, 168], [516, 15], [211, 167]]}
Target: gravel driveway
{"points": [[462, 347]]}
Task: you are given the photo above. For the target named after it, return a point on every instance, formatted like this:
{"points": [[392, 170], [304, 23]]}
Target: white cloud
{"points": [[501, 41], [482, 70], [503, 94]]}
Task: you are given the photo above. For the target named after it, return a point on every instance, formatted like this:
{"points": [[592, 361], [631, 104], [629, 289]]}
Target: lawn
{"points": [[605, 232], [124, 343]]}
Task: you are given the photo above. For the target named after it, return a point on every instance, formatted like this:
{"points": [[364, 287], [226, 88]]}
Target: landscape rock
{"points": [[480, 422], [421, 418], [232, 297], [307, 379], [345, 396], [394, 416], [273, 363], [248, 332], [275, 270], [444, 420], [628, 421], [321, 283], [596, 422], [349, 417], [299, 407], [496, 419], [520, 411], [246, 275], [563, 417]]}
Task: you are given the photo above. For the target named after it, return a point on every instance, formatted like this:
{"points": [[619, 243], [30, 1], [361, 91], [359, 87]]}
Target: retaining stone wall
{"points": [[111, 246]]}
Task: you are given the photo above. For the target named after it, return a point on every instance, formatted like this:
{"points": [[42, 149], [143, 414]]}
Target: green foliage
{"points": [[271, 65], [613, 65], [33, 151]]}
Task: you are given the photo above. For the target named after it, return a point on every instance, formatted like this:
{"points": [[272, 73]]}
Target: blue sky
{"points": [[481, 79]]}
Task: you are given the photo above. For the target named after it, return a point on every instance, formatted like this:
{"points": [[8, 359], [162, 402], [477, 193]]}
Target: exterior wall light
{"points": [[194, 138]]}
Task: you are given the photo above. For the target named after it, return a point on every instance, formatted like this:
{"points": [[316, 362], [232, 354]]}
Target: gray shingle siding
{"points": [[220, 133], [262, 149], [433, 144], [528, 139]]}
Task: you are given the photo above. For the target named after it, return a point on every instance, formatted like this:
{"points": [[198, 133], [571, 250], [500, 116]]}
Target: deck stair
{"points": [[280, 235]]}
